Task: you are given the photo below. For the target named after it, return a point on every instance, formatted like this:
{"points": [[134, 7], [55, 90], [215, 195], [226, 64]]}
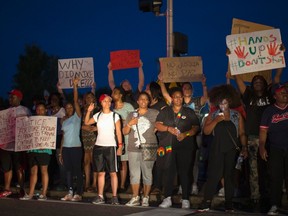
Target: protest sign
{"points": [[78, 67], [181, 69], [242, 26], [255, 51], [7, 128], [35, 132], [124, 59]]}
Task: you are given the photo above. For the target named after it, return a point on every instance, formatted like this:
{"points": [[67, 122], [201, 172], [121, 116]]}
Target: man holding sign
{"points": [[256, 99], [10, 159]]}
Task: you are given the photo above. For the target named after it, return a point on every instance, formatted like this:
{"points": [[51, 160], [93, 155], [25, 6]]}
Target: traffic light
{"points": [[150, 6]]}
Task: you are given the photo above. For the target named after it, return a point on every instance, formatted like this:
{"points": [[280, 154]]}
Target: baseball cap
{"points": [[16, 92], [276, 88], [103, 96]]}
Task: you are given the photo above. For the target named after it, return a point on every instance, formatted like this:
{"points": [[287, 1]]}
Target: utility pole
{"points": [[169, 28]]}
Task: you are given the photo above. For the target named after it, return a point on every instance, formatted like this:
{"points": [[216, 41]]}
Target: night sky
{"points": [[89, 28]]}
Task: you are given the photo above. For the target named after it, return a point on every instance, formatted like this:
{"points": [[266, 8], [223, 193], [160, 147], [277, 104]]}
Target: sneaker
{"points": [[273, 210], [205, 206], [25, 197], [114, 200], [5, 193], [185, 204], [145, 201], [68, 197], [134, 201], [221, 192], [76, 198], [42, 198], [194, 190], [179, 190], [166, 203], [98, 200]]}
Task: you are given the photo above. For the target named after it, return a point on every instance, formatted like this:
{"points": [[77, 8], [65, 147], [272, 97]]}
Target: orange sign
{"points": [[124, 59]]}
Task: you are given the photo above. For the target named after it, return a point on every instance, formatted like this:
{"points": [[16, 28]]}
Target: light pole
{"points": [[169, 28]]}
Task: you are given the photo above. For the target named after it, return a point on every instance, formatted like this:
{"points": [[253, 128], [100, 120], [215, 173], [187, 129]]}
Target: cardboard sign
{"points": [[7, 128], [181, 69], [35, 132], [78, 67], [255, 51], [124, 59], [242, 26]]}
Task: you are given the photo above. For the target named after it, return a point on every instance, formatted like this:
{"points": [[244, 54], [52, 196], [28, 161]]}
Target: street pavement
{"points": [[12, 206]]}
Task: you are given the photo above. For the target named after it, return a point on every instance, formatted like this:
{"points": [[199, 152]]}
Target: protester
{"points": [[157, 100], [123, 109], [9, 159], [88, 138], [56, 169], [38, 158], [129, 96], [256, 98], [227, 127], [177, 127], [104, 152], [196, 104], [141, 130], [273, 144], [71, 148]]}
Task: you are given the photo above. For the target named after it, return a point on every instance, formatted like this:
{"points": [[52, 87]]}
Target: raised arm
{"points": [[60, 91], [141, 77], [240, 83], [110, 77], [277, 77], [164, 90], [88, 120], [75, 96], [93, 87]]}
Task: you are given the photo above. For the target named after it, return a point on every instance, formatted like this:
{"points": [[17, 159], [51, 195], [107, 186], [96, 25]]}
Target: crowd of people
{"points": [[110, 137]]}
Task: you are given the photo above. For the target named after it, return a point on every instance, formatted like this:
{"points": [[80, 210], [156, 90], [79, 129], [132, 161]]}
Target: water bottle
{"points": [[239, 162]]}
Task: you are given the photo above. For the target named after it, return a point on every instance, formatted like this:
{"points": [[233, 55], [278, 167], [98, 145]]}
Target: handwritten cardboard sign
{"points": [[181, 69], [124, 59], [242, 26], [35, 132], [7, 128], [255, 51], [78, 67]]}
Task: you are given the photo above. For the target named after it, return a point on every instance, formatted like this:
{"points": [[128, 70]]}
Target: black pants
{"points": [[278, 167], [180, 163], [72, 159], [221, 165]]}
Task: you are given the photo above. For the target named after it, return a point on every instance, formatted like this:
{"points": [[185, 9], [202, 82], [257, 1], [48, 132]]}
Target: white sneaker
{"points": [[185, 204], [221, 192], [194, 190], [134, 201], [166, 203], [179, 190], [273, 210], [145, 201]]}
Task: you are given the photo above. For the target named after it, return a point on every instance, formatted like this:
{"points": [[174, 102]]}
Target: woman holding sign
{"points": [[71, 147], [41, 158]]}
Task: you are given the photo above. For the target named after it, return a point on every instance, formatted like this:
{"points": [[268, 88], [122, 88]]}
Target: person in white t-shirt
{"points": [[104, 152]]}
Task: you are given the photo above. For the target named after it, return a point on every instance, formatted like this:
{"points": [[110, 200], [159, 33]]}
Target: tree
{"points": [[36, 71]]}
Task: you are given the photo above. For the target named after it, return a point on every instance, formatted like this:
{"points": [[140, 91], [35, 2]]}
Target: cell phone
{"points": [[135, 114]]}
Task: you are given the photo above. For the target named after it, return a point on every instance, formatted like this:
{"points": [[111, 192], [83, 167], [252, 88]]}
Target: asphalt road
{"points": [[55, 207]]}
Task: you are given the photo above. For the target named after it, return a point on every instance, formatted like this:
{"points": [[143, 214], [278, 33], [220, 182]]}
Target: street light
{"points": [[155, 6]]}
